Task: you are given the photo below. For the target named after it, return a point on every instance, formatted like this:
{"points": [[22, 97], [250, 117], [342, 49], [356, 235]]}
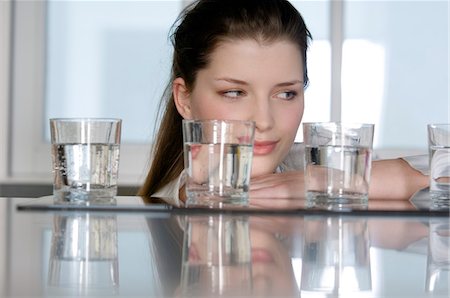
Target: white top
{"points": [[294, 161], [419, 162]]}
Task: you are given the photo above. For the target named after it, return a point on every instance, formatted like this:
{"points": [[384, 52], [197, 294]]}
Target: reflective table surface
{"points": [[134, 249]]}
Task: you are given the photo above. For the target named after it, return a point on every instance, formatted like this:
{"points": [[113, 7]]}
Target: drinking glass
{"points": [[439, 158], [338, 159], [218, 161], [85, 155]]}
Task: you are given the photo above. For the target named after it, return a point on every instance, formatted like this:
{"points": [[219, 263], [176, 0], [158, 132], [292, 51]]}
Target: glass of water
{"points": [[218, 161], [85, 156], [338, 159], [439, 154]]}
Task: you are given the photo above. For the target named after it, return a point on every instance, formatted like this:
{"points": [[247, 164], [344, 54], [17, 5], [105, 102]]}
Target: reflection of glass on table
{"points": [[336, 258], [216, 257], [83, 254], [438, 260]]}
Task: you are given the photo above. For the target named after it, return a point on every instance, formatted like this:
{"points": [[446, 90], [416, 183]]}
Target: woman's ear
{"points": [[182, 98]]}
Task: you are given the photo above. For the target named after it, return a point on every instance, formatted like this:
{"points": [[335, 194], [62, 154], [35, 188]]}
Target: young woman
{"points": [[246, 60]]}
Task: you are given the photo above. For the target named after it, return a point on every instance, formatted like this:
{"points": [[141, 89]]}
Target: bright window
{"points": [[395, 69], [109, 59]]}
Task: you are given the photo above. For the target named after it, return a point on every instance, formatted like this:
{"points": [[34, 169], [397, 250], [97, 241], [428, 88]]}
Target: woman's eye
{"points": [[233, 93], [287, 95]]}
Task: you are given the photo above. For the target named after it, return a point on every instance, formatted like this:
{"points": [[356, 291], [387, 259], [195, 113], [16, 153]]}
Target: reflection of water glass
{"points": [[83, 257], [439, 153], [336, 259], [338, 160], [218, 161], [216, 257], [85, 154], [438, 261]]}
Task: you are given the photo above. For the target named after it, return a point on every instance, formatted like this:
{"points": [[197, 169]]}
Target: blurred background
{"points": [[381, 62]]}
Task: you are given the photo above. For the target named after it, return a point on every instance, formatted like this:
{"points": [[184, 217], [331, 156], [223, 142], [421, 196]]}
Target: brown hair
{"points": [[198, 31]]}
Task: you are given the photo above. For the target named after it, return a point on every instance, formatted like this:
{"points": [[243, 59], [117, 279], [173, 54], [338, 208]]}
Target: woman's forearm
{"points": [[395, 179]]}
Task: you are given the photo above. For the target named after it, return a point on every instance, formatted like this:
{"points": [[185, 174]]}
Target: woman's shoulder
{"points": [[294, 160]]}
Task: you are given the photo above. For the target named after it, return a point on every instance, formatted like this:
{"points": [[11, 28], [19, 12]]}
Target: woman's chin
{"points": [[260, 168]]}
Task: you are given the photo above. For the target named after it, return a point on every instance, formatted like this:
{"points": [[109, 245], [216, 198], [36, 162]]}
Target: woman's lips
{"points": [[260, 255], [264, 147]]}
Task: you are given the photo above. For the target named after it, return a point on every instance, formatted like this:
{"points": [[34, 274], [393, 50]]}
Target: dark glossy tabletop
{"points": [[390, 249]]}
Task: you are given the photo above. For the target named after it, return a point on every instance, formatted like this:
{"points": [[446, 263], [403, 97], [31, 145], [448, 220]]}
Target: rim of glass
{"points": [[438, 124], [341, 124], [228, 121], [88, 119]]}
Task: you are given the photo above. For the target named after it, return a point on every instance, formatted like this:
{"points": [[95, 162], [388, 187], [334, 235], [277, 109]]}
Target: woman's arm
{"points": [[390, 179], [287, 185], [395, 179]]}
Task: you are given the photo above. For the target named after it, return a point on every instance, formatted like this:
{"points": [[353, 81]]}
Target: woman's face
{"points": [[271, 266], [247, 80]]}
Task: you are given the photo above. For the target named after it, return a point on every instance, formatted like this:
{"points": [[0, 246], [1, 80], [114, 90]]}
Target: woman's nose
{"points": [[263, 115]]}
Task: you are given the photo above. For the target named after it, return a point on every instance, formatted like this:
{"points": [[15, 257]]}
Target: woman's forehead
{"points": [[248, 54]]}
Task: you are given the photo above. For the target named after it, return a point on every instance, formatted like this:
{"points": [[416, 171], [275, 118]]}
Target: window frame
{"points": [[5, 44]]}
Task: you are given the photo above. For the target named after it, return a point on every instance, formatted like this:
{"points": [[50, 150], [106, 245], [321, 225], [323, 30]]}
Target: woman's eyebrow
{"points": [[230, 80], [289, 83], [240, 82]]}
